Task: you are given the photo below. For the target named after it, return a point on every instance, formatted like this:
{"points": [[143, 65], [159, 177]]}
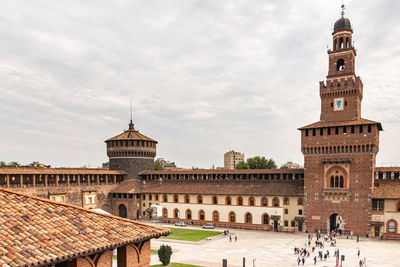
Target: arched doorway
{"points": [[333, 225], [336, 223], [122, 212]]}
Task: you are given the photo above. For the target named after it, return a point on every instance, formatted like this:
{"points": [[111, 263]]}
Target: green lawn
{"points": [[154, 251], [174, 264], [190, 234]]}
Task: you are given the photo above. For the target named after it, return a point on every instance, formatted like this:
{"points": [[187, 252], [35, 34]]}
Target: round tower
{"points": [[131, 152]]}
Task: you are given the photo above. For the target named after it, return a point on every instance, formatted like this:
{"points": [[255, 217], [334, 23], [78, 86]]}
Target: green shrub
{"points": [[164, 254]]}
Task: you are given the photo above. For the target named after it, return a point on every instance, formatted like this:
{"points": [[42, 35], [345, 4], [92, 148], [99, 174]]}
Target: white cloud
{"points": [[205, 76]]}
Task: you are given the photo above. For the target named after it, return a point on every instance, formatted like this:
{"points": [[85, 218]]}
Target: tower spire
{"points": [[131, 122], [343, 8]]}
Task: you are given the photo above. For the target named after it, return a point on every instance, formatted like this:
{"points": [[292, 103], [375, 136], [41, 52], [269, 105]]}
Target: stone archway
{"points": [[122, 211], [336, 223]]}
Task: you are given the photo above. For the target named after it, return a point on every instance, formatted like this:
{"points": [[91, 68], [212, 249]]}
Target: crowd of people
{"points": [[316, 250]]}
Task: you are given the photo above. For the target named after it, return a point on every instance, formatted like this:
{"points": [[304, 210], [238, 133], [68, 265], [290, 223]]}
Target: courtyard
{"points": [[275, 249]]}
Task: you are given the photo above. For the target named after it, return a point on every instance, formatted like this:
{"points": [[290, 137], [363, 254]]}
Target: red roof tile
{"points": [[341, 123], [278, 188], [58, 171], [131, 135], [35, 231], [387, 189]]}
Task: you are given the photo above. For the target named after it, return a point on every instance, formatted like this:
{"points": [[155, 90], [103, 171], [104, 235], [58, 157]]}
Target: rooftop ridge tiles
{"points": [[83, 209]]}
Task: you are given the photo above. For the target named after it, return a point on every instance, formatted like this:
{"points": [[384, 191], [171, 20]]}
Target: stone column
{"points": [[107, 176], [45, 181], [34, 180], [98, 179], [115, 179], [57, 177], [79, 180], [21, 180], [8, 180], [67, 179]]}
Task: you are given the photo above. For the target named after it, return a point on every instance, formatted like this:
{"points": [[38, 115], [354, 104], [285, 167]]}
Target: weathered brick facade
{"points": [[340, 150]]}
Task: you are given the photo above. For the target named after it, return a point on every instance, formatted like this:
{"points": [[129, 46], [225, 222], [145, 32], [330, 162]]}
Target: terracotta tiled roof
{"points": [[387, 189], [35, 231], [131, 135], [58, 171], [129, 186], [387, 169], [223, 171], [277, 188], [341, 123]]}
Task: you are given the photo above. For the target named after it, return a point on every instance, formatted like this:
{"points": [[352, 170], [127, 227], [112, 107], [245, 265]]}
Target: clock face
{"points": [[338, 104]]}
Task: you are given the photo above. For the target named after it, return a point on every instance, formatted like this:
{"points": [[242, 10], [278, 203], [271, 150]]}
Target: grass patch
{"points": [[174, 264], [153, 251], [190, 234]]}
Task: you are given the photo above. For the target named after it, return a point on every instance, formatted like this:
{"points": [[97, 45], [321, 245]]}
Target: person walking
{"points": [[230, 238], [235, 238], [315, 260], [358, 253], [303, 260], [298, 260]]}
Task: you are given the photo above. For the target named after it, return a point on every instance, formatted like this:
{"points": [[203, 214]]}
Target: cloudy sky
{"points": [[205, 76]]}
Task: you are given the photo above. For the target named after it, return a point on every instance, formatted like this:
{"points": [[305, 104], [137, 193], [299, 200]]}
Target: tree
{"points": [[164, 254], [158, 166], [241, 165], [257, 163]]}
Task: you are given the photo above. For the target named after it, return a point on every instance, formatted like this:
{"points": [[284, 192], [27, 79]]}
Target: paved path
{"points": [[276, 249]]}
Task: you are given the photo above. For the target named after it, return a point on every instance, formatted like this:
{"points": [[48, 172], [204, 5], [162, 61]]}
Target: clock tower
{"points": [[340, 149]]}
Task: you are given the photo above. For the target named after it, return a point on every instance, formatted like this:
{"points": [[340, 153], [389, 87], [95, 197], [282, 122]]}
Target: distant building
{"points": [[166, 164], [232, 158], [290, 165]]}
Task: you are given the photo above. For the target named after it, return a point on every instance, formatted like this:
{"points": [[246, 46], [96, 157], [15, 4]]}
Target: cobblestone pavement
{"points": [[276, 249]]}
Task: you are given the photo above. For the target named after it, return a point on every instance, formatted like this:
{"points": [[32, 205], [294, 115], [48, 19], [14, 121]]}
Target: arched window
{"points": [[239, 201], [248, 218], [176, 213], [264, 201], [300, 201], [228, 200], [232, 217], [176, 199], [392, 226], [286, 201], [265, 218], [251, 201], [276, 202], [187, 199], [188, 214], [199, 199], [332, 184], [215, 216], [202, 215], [340, 64], [165, 213], [336, 181], [341, 182], [341, 43], [215, 200]]}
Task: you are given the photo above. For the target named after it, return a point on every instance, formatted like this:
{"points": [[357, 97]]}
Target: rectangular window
{"points": [[377, 204], [313, 132], [321, 131], [344, 129], [306, 132], [352, 129], [361, 128], [300, 212], [293, 223], [144, 197], [369, 128], [286, 223], [156, 197], [329, 131], [336, 130], [150, 197], [286, 211]]}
